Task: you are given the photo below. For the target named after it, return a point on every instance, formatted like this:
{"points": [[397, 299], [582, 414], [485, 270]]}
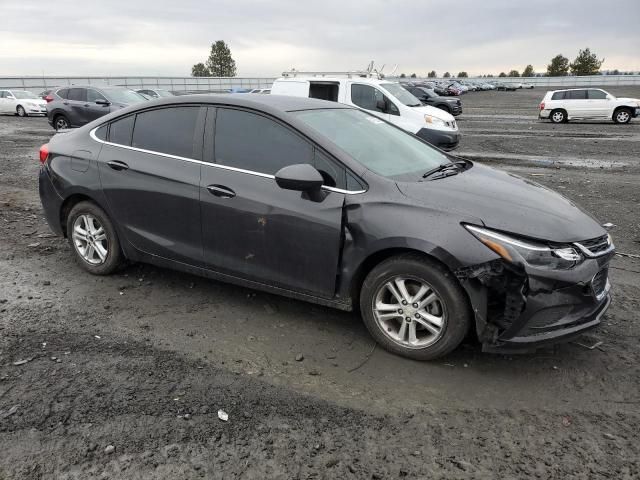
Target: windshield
{"points": [[401, 94], [124, 96], [23, 94], [377, 145]]}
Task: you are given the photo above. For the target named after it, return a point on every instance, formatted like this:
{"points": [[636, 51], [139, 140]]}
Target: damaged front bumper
{"points": [[521, 309]]}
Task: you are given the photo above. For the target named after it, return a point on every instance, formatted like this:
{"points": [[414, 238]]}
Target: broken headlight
{"points": [[519, 251]]}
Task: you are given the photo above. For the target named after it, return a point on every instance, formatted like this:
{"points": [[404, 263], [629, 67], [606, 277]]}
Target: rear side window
{"points": [[63, 93], [120, 131], [576, 95], [597, 95], [558, 96], [256, 143], [77, 94], [167, 130]]}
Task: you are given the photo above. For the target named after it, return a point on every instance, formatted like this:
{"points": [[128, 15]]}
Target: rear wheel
{"points": [[414, 307], [558, 116], [60, 122], [93, 239], [622, 115], [21, 111]]}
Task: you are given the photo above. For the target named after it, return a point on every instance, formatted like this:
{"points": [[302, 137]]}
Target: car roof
{"points": [[280, 103]]}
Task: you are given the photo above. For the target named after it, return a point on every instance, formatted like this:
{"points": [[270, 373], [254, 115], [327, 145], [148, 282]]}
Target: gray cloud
{"points": [[266, 37]]}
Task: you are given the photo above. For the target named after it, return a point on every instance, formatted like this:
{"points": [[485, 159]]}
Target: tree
{"points": [[432, 74], [502, 74], [413, 75], [514, 73], [490, 75], [446, 75], [402, 75], [199, 70], [586, 63], [528, 71], [558, 67], [220, 62], [615, 72], [463, 75]]}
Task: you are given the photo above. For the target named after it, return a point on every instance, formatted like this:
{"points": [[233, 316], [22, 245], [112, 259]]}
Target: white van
{"points": [[385, 99]]}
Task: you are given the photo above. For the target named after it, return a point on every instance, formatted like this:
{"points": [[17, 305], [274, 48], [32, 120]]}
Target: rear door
{"points": [[252, 228], [76, 100], [576, 103], [150, 174]]}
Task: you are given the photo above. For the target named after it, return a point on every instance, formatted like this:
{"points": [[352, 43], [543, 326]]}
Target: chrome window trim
{"points": [[92, 134]]}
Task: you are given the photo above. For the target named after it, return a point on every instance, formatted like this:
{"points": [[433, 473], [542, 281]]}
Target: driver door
{"points": [[93, 110], [370, 99]]}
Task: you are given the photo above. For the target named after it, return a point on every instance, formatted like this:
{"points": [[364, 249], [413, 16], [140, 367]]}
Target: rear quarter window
{"points": [[120, 131], [63, 93], [558, 96]]}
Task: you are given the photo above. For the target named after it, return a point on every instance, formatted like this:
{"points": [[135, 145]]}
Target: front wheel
{"points": [[414, 307], [622, 115], [93, 239], [61, 122], [21, 111]]}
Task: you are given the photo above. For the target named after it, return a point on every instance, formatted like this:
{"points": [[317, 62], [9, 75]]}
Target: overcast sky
{"points": [[166, 37]]}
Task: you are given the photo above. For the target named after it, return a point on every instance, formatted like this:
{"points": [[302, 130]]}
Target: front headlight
{"points": [[518, 251], [435, 121]]}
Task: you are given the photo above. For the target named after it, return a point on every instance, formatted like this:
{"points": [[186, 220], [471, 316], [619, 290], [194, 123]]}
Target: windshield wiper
{"points": [[445, 166]]}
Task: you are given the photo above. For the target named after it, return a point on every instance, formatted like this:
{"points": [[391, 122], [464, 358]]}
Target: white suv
{"points": [[587, 103]]}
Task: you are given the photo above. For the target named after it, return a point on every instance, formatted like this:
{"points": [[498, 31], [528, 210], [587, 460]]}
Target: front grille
{"points": [[597, 245], [599, 282]]}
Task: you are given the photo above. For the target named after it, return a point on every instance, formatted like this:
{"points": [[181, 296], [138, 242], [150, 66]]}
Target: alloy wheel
{"points": [[90, 239], [21, 111], [410, 312], [61, 123], [622, 116], [558, 117]]}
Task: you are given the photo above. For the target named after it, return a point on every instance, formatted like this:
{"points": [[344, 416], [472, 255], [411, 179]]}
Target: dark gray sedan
{"points": [[78, 105], [325, 203]]}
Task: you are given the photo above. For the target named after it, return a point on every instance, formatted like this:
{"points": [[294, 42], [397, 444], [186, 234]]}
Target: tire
{"points": [[445, 108], [622, 115], [448, 303], [21, 112], [558, 116], [87, 217], [60, 122]]}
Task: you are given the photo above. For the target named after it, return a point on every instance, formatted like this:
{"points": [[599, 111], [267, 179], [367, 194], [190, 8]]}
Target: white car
{"points": [[589, 104], [382, 98], [525, 85], [22, 103]]}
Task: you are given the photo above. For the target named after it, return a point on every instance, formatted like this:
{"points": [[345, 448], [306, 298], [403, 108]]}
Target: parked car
{"points": [[453, 91], [77, 105], [506, 87], [525, 85], [587, 103], [385, 99], [22, 103], [318, 201], [155, 92], [429, 97]]}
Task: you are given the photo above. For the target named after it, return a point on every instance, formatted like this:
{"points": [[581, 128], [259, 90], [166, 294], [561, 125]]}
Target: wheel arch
{"points": [[70, 202]]}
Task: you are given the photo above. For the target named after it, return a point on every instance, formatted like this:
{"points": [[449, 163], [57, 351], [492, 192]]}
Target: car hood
{"points": [[435, 112], [506, 202], [630, 100]]}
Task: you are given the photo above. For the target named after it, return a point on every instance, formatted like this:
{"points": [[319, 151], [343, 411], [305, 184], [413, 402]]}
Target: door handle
{"points": [[118, 165], [221, 191]]}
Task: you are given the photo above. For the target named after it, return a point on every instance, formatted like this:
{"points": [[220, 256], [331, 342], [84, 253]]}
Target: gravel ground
{"points": [[123, 376]]}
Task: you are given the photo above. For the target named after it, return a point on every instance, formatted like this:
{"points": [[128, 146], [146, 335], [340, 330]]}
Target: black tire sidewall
{"points": [[444, 283], [58, 117], [114, 252], [564, 116], [617, 112], [21, 108]]}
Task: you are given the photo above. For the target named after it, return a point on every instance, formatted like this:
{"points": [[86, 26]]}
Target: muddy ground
{"points": [[142, 361]]}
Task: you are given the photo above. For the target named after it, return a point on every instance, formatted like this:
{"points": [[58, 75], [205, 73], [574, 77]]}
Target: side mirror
{"points": [[102, 101], [609, 97], [301, 178], [382, 106]]}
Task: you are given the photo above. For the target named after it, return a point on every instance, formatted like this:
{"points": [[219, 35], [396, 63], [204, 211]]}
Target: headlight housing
{"points": [[518, 251], [435, 121]]}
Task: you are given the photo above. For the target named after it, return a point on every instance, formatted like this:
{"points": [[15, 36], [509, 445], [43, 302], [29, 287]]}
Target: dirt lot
{"points": [[142, 361]]}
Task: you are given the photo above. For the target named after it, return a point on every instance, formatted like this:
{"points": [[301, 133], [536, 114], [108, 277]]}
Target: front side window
{"points": [[77, 94], [93, 95], [401, 94], [252, 142], [120, 130], [576, 95], [167, 130], [375, 144], [597, 95], [124, 96], [334, 175]]}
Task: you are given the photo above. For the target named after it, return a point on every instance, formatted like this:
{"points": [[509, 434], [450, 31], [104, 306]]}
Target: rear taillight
{"points": [[44, 153], [542, 106], [48, 98]]}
